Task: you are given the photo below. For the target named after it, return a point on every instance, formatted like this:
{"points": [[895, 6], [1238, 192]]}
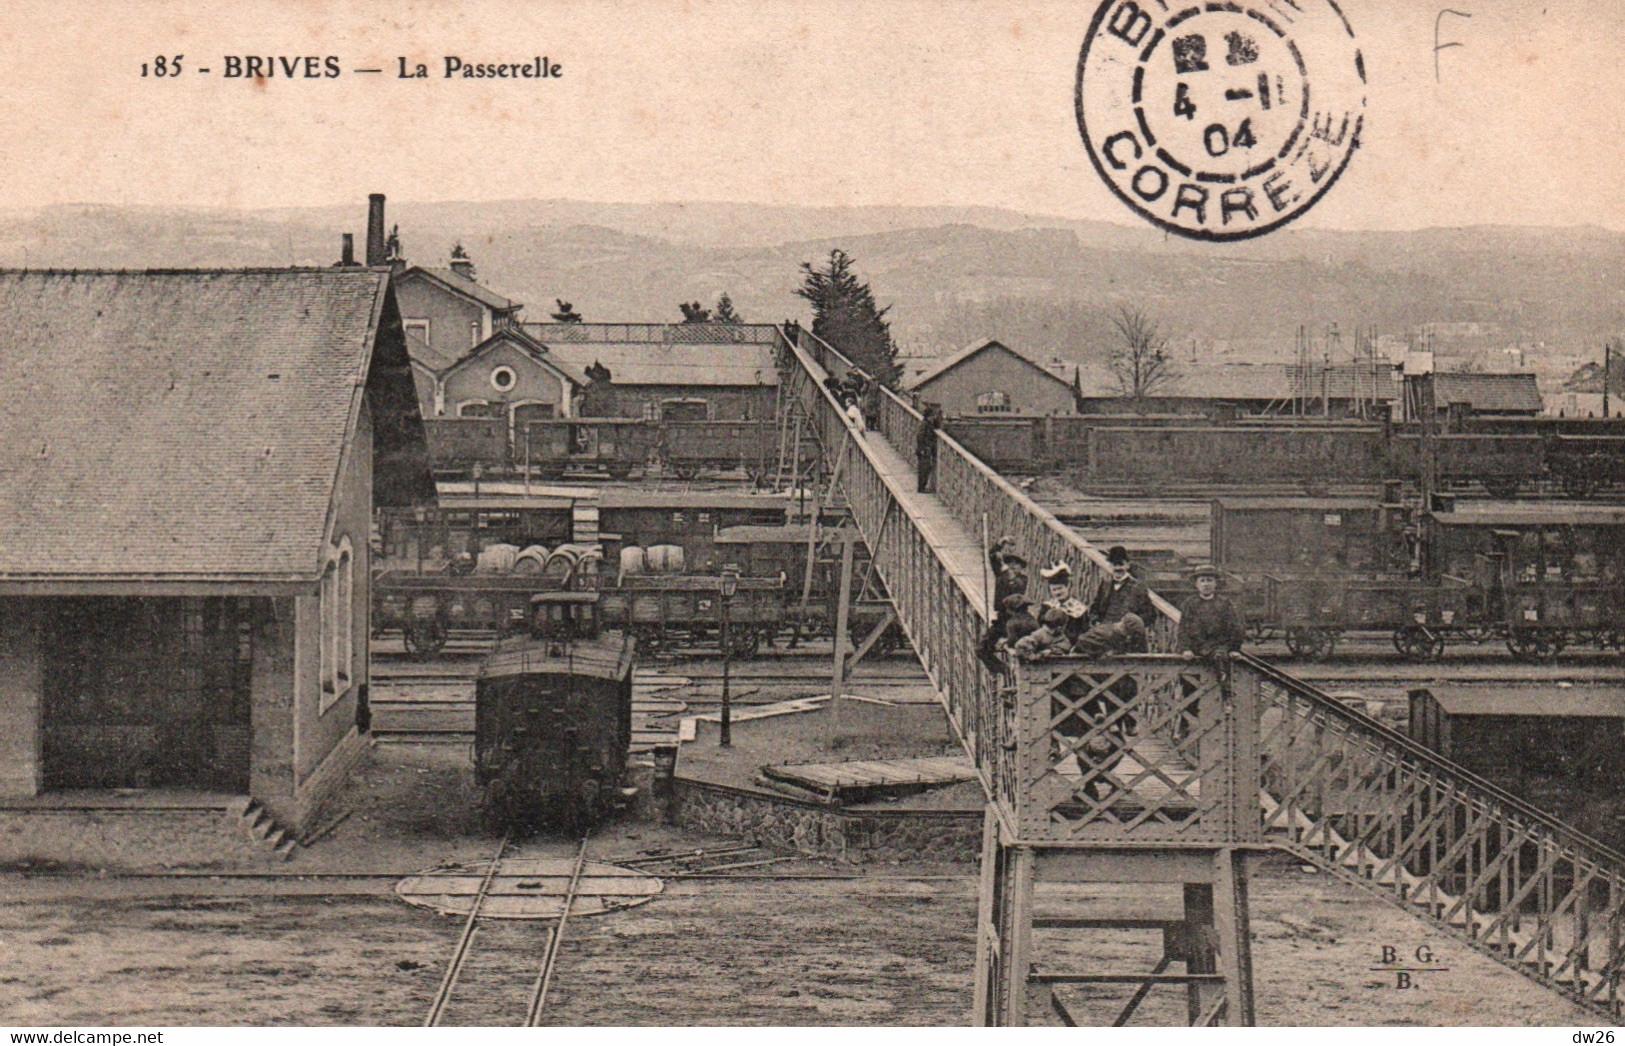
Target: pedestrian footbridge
{"points": [[1156, 769]]}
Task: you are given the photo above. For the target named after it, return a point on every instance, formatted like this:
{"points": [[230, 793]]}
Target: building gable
{"points": [[189, 424]]}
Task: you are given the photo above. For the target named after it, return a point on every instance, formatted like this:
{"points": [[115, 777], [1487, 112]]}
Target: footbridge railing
{"points": [[1198, 753], [1370, 805]]}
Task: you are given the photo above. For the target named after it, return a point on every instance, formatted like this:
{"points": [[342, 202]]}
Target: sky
{"points": [[862, 102]]}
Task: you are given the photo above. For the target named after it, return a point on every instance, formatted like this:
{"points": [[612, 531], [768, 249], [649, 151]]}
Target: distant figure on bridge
{"points": [[869, 397], [1210, 626], [1122, 593], [925, 450], [1058, 582], [1009, 579], [854, 414]]}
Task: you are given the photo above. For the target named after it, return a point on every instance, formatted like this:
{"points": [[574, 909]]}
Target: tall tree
{"points": [[725, 311], [846, 316], [1140, 361]]}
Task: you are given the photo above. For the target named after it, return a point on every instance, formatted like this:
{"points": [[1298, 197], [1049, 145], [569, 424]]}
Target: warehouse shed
{"points": [[192, 458]]}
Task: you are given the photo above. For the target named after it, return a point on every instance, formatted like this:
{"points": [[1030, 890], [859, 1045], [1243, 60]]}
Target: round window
{"points": [[502, 379]]}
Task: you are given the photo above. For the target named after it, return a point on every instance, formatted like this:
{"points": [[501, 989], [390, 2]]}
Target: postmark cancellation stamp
{"points": [[1220, 120]]}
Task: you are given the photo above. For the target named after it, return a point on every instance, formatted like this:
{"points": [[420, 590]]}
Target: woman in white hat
{"points": [[1058, 584]]}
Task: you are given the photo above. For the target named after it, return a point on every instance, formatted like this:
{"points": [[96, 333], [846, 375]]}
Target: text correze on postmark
{"points": [[1222, 120]]}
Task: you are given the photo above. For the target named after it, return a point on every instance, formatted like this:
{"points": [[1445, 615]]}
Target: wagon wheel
{"points": [[424, 638], [1531, 644], [1418, 643], [1578, 483], [1502, 486], [1311, 644], [744, 642], [1258, 631]]}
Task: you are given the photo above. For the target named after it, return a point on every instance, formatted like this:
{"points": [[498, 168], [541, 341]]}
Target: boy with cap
{"points": [[1122, 593], [1209, 624]]}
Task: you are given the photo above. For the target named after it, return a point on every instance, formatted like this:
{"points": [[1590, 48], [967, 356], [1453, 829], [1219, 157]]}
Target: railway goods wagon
{"points": [[666, 610], [426, 608], [458, 444], [1543, 579], [1502, 462], [553, 718], [690, 519], [690, 447], [1308, 455], [555, 447], [1298, 536], [1539, 578], [762, 551], [1582, 463], [428, 541]]}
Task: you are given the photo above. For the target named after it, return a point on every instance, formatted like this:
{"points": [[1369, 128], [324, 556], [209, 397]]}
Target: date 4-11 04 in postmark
{"points": [[1221, 120]]}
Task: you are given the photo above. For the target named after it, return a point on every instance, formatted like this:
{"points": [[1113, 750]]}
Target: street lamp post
{"points": [[728, 585]]}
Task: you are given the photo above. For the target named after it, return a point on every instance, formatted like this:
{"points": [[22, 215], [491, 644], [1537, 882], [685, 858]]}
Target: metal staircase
{"points": [[1370, 806], [1333, 787]]}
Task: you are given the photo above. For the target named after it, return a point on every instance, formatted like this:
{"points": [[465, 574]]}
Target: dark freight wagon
{"points": [[1506, 733]]}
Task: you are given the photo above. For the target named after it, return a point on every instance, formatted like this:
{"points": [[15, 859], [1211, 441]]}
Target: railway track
{"points": [[485, 986]]}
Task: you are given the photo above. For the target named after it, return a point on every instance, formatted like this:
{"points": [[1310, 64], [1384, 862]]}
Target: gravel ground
{"points": [[84, 948], [871, 951]]}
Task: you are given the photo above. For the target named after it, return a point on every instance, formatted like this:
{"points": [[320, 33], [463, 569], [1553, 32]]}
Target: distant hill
{"points": [[950, 274]]}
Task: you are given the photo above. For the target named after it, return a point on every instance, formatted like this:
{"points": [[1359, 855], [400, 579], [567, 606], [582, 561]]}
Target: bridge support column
{"points": [[1040, 903]]}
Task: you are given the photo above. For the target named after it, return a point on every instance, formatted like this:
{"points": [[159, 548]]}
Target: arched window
{"points": [[993, 403], [475, 409]]}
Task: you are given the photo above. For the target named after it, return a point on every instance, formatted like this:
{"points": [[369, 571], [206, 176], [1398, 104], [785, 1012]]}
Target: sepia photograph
{"points": [[870, 514]]}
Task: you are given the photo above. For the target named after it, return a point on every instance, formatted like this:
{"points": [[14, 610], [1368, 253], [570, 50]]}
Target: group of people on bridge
{"points": [[1114, 621]]}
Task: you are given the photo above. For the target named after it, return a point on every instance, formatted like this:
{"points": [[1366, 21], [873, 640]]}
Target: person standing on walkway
{"points": [[925, 451], [854, 414]]}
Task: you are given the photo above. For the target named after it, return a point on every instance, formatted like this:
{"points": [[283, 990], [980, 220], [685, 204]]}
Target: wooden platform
{"points": [[847, 782]]}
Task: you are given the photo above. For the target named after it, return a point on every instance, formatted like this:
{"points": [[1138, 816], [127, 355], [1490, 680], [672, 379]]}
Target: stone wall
{"points": [[858, 836]]}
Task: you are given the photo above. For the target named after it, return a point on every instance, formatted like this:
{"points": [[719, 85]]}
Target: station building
{"points": [[191, 462]]}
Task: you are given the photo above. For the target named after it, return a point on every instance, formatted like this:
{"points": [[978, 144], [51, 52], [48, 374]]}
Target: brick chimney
{"points": [[461, 263], [347, 254], [377, 253]]}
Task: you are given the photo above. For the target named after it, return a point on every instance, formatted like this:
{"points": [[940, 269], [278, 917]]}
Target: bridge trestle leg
{"points": [[1111, 893]]}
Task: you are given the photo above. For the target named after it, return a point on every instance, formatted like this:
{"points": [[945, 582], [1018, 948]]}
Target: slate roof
{"points": [[484, 295], [1253, 381], [515, 335], [177, 425], [1493, 393], [422, 352], [645, 363], [948, 363]]}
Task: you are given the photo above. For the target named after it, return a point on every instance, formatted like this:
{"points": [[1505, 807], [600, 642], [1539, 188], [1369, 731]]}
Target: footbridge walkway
{"points": [[1156, 768]]}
